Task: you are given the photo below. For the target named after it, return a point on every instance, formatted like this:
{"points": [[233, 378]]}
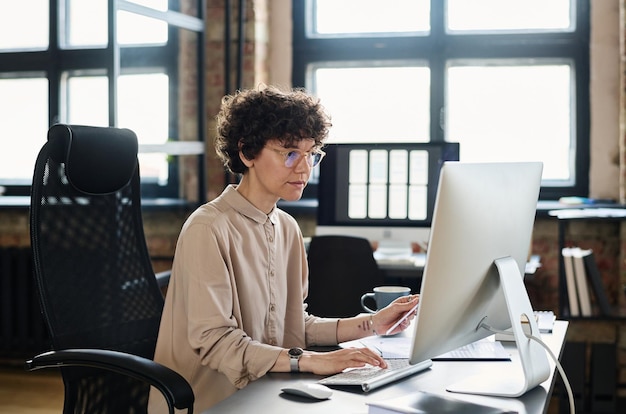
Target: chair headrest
{"points": [[98, 160]]}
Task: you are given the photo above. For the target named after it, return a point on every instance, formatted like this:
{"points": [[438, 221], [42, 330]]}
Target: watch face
{"points": [[296, 352]]}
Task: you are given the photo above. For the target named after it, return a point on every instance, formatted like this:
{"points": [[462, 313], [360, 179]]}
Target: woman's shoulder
{"points": [[211, 215]]}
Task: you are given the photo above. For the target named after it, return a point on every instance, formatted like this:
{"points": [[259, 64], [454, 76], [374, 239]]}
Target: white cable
{"points": [[570, 394], [568, 388]]}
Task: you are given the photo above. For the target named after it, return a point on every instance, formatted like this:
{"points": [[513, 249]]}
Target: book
{"points": [[596, 283], [570, 281], [420, 402], [580, 274]]}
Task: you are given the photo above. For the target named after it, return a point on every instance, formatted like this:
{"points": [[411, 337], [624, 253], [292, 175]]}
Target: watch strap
{"points": [[293, 362], [294, 359]]}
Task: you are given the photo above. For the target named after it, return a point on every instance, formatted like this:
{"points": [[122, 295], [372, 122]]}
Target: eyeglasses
{"points": [[293, 157]]}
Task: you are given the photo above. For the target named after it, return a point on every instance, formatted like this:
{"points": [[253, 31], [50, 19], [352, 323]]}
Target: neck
{"points": [[263, 203]]}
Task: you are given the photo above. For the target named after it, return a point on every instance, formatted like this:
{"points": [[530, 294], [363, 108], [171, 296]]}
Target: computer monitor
{"points": [[473, 277], [384, 192]]}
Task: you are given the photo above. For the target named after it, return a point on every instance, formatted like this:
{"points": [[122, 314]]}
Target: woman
{"points": [[236, 304]]}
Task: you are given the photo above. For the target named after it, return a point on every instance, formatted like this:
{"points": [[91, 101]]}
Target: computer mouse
{"points": [[309, 390]]}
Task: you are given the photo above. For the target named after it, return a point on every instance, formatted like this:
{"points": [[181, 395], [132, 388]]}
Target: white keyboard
{"points": [[369, 378]]}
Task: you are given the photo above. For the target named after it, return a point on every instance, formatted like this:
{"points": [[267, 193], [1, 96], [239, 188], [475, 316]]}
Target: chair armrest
{"points": [[163, 278], [176, 390]]}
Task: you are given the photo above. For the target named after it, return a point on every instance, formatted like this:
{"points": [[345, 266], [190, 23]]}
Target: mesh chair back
{"points": [[341, 269], [95, 279]]}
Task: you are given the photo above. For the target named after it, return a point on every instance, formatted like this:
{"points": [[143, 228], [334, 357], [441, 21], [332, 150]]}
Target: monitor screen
{"points": [[381, 184], [380, 191], [483, 214]]}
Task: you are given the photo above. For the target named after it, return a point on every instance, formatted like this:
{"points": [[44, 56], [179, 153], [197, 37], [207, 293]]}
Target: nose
{"points": [[303, 164]]}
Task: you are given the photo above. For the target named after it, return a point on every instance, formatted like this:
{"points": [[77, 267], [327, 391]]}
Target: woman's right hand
{"points": [[328, 363]]}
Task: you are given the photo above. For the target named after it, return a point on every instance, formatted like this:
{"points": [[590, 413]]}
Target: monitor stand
{"points": [[533, 367]]}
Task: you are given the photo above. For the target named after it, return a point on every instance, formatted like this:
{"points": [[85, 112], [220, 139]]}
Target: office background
{"points": [[268, 60]]}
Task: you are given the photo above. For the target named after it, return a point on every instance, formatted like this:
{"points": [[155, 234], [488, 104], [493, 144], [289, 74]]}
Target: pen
{"points": [[406, 315]]}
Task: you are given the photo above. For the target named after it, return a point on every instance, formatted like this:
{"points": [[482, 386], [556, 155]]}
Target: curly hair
{"points": [[250, 118]]}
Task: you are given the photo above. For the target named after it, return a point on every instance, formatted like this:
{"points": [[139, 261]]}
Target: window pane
{"points": [[143, 106], [135, 29], [24, 25], [513, 113], [154, 4], [87, 100], [509, 15], [24, 120], [87, 24], [366, 104], [368, 16]]}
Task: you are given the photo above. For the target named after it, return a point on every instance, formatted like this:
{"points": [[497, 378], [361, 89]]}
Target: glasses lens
{"points": [[292, 158], [316, 158], [312, 158]]}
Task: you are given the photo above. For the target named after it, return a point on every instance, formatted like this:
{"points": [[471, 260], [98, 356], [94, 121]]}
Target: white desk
{"points": [[264, 395], [412, 266]]}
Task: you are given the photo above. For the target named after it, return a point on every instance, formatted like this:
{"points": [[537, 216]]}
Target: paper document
{"points": [[483, 350], [390, 347], [399, 346]]}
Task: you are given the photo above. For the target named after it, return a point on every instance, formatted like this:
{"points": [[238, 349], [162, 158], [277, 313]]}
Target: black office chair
{"points": [[341, 269], [98, 292]]}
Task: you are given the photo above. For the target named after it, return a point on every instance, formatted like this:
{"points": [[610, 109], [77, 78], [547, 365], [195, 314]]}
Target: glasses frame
{"points": [[309, 156]]}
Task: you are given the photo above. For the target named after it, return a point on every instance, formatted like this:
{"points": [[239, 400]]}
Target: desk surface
{"points": [[412, 266], [264, 395]]}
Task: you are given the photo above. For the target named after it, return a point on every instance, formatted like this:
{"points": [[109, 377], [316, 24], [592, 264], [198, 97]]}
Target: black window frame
{"points": [[438, 47], [115, 59]]}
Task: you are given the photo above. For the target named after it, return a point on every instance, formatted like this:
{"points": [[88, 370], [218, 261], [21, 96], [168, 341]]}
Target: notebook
{"points": [[369, 378]]}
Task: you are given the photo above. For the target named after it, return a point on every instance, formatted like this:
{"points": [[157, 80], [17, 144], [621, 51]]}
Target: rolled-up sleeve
{"points": [[321, 331]]}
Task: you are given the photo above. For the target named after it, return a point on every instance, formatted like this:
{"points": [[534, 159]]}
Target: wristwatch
{"points": [[294, 358]]}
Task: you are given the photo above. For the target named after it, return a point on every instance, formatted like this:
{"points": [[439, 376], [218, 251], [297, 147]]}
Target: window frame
{"points": [[439, 47], [112, 58]]}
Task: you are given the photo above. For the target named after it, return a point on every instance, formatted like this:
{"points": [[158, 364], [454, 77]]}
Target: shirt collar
{"points": [[243, 206]]}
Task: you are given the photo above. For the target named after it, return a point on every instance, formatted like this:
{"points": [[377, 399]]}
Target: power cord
{"points": [[570, 394], [559, 367]]}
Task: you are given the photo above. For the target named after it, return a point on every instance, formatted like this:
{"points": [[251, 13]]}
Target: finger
{"points": [[413, 298], [372, 357], [407, 300]]}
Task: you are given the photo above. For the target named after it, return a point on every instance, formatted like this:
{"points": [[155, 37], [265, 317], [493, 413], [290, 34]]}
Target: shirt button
{"points": [[272, 307], [271, 239], [272, 273]]}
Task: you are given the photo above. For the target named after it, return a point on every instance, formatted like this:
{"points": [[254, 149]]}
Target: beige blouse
{"points": [[235, 299]]}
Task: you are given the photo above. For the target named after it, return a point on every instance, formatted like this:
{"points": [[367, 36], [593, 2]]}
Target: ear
{"points": [[247, 162]]}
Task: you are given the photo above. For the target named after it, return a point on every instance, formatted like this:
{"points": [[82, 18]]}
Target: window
{"points": [[59, 62], [506, 79]]}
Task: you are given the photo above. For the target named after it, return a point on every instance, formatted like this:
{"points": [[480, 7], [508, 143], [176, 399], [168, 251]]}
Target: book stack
{"points": [[584, 284]]}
